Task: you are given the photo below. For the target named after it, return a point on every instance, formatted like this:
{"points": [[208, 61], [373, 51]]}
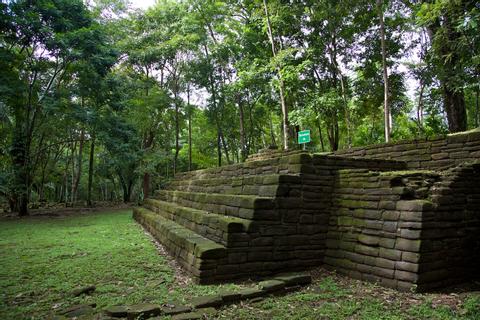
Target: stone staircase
{"points": [[373, 219], [267, 215]]}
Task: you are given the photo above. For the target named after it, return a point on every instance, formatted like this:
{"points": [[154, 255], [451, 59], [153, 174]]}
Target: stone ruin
{"points": [[405, 215]]}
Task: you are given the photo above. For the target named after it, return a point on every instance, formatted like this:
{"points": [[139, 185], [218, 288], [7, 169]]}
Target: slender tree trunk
{"points": [[243, 146], [347, 112], [338, 73], [90, 171], [477, 108], [177, 133], [386, 103], [74, 150], [189, 130], [20, 164], [219, 148], [224, 144], [64, 196], [420, 106], [147, 144], [281, 83], [319, 124], [272, 131], [79, 170]]}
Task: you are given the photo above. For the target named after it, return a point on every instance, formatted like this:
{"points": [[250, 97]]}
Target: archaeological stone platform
{"points": [[405, 215]]}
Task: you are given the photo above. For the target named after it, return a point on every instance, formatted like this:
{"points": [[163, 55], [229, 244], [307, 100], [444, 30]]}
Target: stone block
{"points": [[406, 276], [251, 293], [414, 205], [293, 279], [367, 250], [143, 311], [390, 254], [408, 245], [368, 240], [271, 285], [206, 301]]}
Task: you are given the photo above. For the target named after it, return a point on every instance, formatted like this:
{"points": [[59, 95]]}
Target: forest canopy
{"points": [[103, 102]]}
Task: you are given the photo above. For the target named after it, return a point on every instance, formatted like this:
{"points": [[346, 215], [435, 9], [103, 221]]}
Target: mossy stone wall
{"points": [[434, 153]]}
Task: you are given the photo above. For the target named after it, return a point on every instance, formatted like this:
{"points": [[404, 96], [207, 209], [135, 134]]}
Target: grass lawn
{"points": [[43, 259]]}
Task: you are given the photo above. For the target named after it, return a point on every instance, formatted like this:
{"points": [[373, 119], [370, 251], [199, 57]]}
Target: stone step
{"points": [[240, 206], [272, 153], [270, 185], [280, 164], [218, 228], [195, 253]]}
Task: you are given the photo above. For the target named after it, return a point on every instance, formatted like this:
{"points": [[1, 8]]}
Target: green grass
{"points": [[43, 259]]}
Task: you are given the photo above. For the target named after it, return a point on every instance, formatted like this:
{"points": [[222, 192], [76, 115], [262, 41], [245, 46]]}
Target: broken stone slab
{"points": [[78, 310], [83, 290], [143, 311], [188, 316], [117, 311], [229, 296], [271, 285], [293, 279], [174, 309], [206, 301], [251, 293]]}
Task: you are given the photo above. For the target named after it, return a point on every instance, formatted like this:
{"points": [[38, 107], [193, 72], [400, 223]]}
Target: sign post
{"points": [[304, 137]]}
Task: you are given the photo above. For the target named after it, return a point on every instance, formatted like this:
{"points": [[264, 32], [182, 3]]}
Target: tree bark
{"points": [[177, 131], [79, 170], [147, 143], [447, 69], [319, 124], [243, 147], [189, 130], [386, 103], [454, 103], [90, 171], [477, 108], [20, 162]]}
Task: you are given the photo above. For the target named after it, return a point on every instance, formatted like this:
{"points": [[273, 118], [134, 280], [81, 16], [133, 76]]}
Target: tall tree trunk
{"points": [[79, 170], [281, 83], [224, 144], [272, 131], [177, 133], [453, 96], [319, 124], [454, 103], [90, 171], [337, 73], [189, 130], [243, 147], [386, 103], [420, 106], [333, 132], [477, 108], [147, 144], [20, 162], [74, 150]]}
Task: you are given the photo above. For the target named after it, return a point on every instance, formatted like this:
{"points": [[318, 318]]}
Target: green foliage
{"points": [[127, 85]]}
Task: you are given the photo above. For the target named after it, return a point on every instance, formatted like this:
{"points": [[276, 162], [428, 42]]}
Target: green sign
{"points": [[304, 136]]}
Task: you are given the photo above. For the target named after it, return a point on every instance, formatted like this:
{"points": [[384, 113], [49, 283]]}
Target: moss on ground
{"points": [[43, 259]]}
